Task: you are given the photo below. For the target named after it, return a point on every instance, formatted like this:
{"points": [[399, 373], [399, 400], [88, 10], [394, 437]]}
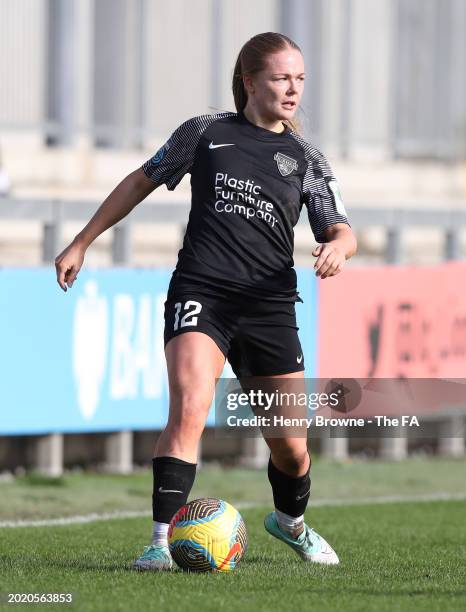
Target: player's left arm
{"points": [[327, 215], [331, 256]]}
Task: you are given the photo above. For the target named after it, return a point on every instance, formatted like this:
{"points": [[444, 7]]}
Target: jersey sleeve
{"points": [[321, 195], [176, 157]]}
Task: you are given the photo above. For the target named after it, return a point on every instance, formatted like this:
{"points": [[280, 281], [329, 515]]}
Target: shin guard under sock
{"points": [[290, 495], [173, 480]]}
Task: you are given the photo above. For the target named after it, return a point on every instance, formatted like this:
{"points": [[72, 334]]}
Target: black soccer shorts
{"points": [[258, 337]]}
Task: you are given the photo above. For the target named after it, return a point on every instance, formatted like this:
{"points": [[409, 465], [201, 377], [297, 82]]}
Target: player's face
{"points": [[277, 90]]}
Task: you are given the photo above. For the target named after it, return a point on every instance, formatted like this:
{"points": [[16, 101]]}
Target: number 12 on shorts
{"points": [[189, 317]]}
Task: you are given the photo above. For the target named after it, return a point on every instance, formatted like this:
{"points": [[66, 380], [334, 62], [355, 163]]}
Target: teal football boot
{"points": [[309, 545], [155, 558]]}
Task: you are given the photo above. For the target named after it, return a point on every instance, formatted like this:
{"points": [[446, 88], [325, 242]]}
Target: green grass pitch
{"points": [[396, 555]]}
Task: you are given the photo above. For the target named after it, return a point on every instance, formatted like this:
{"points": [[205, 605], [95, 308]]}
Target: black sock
{"points": [[173, 480], [290, 495]]}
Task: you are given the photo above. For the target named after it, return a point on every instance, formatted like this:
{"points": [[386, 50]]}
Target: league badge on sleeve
{"points": [[335, 189], [161, 152], [285, 164]]}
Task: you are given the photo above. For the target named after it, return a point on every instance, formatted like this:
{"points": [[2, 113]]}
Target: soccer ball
{"points": [[207, 535]]}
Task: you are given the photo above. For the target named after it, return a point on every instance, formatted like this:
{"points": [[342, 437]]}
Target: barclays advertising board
{"points": [[92, 359]]}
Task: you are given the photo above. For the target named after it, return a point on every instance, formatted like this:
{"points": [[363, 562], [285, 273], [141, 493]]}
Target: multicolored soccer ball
{"points": [[207, 535]]}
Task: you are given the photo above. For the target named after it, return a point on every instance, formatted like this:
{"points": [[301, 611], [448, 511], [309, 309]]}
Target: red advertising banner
{"points": [[393, 322]]}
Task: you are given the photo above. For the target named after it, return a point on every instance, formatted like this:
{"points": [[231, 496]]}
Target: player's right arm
{"points": [[121, 201], [168, 166]]}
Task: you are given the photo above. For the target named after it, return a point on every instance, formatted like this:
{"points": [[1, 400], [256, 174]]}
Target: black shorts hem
{"points": [[288, 370], [200, 331]]}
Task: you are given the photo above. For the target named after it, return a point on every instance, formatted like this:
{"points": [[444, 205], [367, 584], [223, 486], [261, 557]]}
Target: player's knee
{"points": [[293, 461], [188, 411]]}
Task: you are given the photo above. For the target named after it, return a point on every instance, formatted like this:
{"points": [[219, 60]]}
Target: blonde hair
{"points": [[251, 59]]}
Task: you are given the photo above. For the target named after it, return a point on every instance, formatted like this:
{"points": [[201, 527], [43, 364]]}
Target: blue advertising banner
{"points": [[92, 359]]}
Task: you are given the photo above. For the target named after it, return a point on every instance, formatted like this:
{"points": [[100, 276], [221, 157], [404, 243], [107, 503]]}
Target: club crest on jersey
{"points": [[285, 164]]}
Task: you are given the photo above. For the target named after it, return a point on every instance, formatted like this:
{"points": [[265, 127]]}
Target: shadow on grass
{"points": [[13, 562], [125, 567], [88, 565]]}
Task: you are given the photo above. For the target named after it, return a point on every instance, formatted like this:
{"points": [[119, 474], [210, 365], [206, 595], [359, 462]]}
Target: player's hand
{"points": [[330, 259], [68, 264]]}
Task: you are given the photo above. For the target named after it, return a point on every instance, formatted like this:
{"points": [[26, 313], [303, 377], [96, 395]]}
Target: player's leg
{"points": [[289, 476], [289, 462], [194, 361], [269, 355]]}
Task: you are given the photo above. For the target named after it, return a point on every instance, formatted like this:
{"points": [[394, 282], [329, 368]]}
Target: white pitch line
{"points": [[76, 520], [107, 516], [389, 499]]}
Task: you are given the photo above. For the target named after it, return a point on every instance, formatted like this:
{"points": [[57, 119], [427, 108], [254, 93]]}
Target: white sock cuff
{"points": [[285, 521], [159, 532]]}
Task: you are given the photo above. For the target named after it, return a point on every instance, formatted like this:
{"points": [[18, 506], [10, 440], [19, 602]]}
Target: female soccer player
{"points": [[233, 292]]}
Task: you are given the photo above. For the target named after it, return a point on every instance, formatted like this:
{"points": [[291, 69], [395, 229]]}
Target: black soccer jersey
{"points": [[248, 187]]}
